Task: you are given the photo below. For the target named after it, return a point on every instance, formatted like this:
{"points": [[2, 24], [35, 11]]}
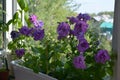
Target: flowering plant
{"points": [[75, 54]]}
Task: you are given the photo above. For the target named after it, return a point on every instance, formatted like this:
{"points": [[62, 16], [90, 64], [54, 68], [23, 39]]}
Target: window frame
{"points": [[116, 40]]}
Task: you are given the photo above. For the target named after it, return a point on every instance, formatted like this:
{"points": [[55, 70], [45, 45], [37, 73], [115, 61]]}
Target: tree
{"points": [[50, 11]]}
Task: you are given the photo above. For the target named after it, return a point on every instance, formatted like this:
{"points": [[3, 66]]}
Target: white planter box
{"points": [[23, 73]]}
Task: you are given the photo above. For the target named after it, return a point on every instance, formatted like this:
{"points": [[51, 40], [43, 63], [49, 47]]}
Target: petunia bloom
{"points": [[71, 32], [79, 62], [83, 45], [63, 29], [84, 17], [80, 36], [33, 18], [24, 30], [14, 34], [38, 24], [102, 56], [38, 34], [73, 20], [20, 52], [80, 26]]}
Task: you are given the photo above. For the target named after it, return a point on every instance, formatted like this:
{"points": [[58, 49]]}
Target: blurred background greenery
{"points": [[1, 19]]}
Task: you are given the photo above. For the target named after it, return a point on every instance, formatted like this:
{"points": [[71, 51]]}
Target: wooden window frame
{"points": [[4, 20], [116, 40]]}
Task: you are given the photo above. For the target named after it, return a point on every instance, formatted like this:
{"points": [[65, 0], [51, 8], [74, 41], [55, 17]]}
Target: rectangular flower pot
{"points": [[4, 75], [23, 73]]}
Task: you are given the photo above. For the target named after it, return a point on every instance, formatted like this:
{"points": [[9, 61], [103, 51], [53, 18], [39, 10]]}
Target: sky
{"points": [[94, 6]]}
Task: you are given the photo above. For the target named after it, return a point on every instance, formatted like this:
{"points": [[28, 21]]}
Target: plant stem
{"points": [[46, 58], [72, 46]]}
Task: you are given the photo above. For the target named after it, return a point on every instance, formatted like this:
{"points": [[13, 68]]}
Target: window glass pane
{"points": [[1, 19], [1, 40]]}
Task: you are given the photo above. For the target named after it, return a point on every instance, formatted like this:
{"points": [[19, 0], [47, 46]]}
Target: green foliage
{"points": [[23, 4], [3, 26], [16, 20], [95, 26], [46, 55]]}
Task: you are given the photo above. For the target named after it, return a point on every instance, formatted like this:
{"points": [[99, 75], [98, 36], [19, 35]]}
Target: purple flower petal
{"points": [[20, 52], [81, 26], [38, 24], [83, 45], [38, 34], [24, 30], [80, 36], [63, 29], [84, 17], [79, 62], [33, 18], [14, 34], [73, 20], [102, 56]]}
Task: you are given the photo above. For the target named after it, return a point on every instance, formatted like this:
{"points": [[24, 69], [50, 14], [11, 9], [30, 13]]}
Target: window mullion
{"points": [[116, 40]]}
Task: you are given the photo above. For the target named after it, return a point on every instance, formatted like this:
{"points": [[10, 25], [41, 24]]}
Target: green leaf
{"points": [[27, 19], [11, 45], [16, 16], [35, 49], [3, 26], [23, 5], [19, 23], [9, 22]]}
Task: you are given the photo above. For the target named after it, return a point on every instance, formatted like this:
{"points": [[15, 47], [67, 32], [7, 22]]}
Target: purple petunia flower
{"points": [[31, 31], [14, 34], [85, 17], [38, 24], [73, 20], [81, 26], [80, 36], [25, 31], [63, 29], [33, 18], [71, 32], [60, 37], [83, 45], [20, 52], [38, 34], [79, 62], [102, 56]]}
